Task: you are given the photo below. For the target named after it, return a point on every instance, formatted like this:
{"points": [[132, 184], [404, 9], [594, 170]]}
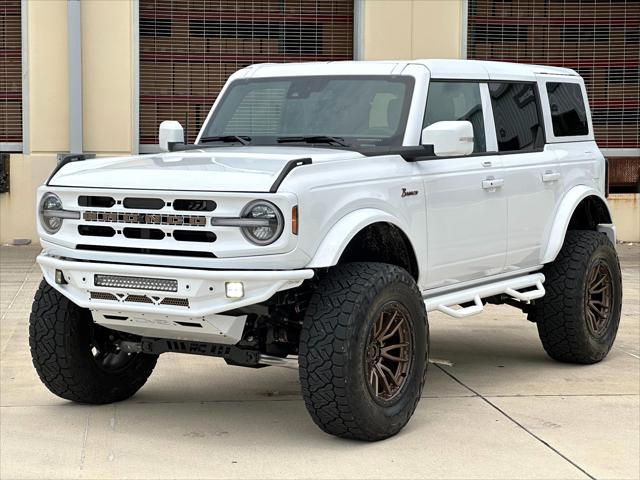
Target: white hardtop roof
{"points": [[438, 68]]}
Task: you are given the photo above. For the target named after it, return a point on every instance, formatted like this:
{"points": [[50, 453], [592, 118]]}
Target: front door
{"points": [[466, 206]]}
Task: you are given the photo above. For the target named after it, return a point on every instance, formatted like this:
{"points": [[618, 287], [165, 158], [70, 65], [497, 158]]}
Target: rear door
{"points": [[532, 178], [466, 215]]}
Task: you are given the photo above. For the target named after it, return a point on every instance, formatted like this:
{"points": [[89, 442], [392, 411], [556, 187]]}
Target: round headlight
{"points": [[269, 222], [49, 206]]}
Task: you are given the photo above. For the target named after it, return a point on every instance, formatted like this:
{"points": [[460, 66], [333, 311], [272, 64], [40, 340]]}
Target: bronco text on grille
{"points": [[144, 218]]}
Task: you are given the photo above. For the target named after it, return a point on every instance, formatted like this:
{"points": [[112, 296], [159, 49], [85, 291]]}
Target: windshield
{"points": [[354, 110]]}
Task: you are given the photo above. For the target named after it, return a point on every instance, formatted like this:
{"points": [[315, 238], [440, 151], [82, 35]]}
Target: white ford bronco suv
{"points": [[323, 211]]}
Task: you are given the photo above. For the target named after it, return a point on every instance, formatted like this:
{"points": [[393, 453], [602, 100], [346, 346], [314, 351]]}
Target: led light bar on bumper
{"points": [[140, 283]]}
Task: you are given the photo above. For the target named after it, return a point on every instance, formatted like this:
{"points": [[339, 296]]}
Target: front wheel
{"points": [[363, 351], [578, 317], [77, 359]]}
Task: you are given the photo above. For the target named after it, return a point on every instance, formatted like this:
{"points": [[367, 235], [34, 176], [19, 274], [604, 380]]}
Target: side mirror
{"points": [[170, 132], [450, 138]]}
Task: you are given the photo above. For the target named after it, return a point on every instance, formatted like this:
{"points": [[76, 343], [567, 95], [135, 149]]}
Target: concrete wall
{"points": [[408, 29], [48, 116], [625, 208], [108, 78]]}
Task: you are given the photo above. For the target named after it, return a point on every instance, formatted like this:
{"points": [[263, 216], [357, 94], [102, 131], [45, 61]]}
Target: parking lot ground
{"points": [[503, 409]]}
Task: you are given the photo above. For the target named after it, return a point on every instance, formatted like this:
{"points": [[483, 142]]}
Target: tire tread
{"points": [[557, 314], [324, 354], [54, 342]]}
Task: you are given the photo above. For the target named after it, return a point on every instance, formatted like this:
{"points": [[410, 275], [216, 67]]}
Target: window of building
{"points": [[457, 101], [516, 116], [189, 49], [568, 112], [10, 76]]}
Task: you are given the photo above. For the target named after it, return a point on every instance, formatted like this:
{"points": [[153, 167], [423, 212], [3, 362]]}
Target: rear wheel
{"points": [[77, 359], [363, 351], [578, 317]]}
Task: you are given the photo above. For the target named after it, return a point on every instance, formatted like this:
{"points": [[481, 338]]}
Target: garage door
{"points": [[10, 76], [189, 48]]}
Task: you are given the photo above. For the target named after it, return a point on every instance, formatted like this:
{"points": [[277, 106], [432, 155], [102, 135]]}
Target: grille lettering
{"points": [[145, 218]]}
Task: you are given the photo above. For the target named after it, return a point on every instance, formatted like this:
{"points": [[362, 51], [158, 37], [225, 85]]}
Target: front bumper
{"points": [[198, 300], [204, 289]]}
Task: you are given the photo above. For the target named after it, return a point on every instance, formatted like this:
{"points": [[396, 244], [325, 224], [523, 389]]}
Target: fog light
{"points": [[60, 280], [234, 289]]}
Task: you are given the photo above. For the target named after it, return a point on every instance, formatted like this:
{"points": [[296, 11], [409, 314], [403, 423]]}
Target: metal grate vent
{"points": [[103, 296], [175, 302], [138, 299]]}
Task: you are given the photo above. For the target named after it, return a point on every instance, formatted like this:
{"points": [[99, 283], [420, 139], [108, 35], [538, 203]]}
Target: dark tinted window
{"points": [[516, 116], [457, 101], [567, 109]]}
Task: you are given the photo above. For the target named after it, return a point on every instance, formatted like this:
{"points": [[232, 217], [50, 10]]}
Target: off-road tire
{"points": [[59, 338], [333, 350], [561, 314]]}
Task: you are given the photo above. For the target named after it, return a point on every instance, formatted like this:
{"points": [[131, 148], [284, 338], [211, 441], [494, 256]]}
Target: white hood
{"points": [[223, 169]]}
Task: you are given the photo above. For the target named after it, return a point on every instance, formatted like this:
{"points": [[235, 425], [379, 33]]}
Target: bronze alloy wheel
{"points": [[389, 352], [598, 298]]}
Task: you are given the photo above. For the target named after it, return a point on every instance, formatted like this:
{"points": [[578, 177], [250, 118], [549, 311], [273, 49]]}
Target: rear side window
{"points": [[517, 117], [456, 101], [568, 113]]}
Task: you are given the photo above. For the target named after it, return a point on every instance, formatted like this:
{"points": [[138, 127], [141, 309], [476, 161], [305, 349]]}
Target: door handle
{"points": [[492, 183], [550, 176]]}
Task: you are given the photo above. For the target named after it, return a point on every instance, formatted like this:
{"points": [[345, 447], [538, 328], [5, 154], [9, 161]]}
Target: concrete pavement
{"points": [[503, 410]]}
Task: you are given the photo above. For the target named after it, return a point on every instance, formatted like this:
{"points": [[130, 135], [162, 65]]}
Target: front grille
{"points": [[152, 225]]}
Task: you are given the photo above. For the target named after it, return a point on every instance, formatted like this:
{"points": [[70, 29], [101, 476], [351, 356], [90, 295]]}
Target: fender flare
{"points": [[563, 216], [342, 232]]}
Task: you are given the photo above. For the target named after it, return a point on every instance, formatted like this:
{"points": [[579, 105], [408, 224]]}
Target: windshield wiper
{"points": [[314, 139], [244, 140]]}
